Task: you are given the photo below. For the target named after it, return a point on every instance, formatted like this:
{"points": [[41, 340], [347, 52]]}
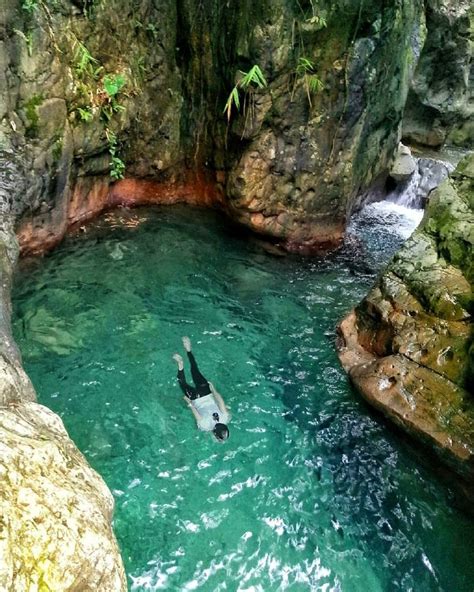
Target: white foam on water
{"points": [[397, 218], [408, 218]]}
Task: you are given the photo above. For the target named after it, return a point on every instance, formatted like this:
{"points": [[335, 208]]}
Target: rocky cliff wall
{"points": [[88, 87], [408, 346], [440, 106], [92, 86], [311, 154], [56, 512]]}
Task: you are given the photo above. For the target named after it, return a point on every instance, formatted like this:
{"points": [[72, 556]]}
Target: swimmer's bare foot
{"points": [[179, 360], [187, 344]]}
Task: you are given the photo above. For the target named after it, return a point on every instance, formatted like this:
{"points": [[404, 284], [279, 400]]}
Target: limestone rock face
{"points": [[55, 532], [408, 344], [440, 101], [55, 511], [292, 160], [310, 154]]}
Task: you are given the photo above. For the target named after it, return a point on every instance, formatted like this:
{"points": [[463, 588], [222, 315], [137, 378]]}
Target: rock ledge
{"points": [[408, 346]]}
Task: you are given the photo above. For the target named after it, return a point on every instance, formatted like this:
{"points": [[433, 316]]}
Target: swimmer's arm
{"points": [[196, 413], [219, 400]]}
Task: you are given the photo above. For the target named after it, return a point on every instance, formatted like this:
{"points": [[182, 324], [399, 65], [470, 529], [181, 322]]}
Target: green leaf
{"points": [[29, 5], [113, 84], [236, 98], [315, 84], [305, 66], [253, 76], [117, 168], [232, 99], [85, 114]]}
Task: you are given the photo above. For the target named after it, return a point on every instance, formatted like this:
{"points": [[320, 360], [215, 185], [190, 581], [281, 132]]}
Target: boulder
{"points": [[404, 165], [408, 345], [55, 532]]}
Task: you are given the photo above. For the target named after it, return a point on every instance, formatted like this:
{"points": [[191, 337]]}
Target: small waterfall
{"points": [[389, 217], [428, 174]]}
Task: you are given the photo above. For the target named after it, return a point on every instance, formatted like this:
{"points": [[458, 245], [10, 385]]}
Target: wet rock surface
{"points": [[440, 102], [291, 161], [298, 180], [408, 345], [404, 165], [413, 191], [291, 164]]}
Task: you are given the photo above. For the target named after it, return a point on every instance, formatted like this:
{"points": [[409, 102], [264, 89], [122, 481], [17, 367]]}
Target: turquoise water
{"points": [[311, 491]]}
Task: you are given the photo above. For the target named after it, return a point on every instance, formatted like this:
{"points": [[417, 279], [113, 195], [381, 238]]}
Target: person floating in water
{"points": [[205, 402]]}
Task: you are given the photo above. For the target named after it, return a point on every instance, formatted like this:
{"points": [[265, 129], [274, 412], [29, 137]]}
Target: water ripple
{"points": [[310, 492]]}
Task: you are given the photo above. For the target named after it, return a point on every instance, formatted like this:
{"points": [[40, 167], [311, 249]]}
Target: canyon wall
{"points": [[93, 87], [92, 91], [408, 346], [56, 512], [440, 105]]}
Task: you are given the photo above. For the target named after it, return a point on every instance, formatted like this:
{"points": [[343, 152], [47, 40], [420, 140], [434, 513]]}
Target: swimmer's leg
{"points": [[187, 389], [201, 382], [198, 379]]}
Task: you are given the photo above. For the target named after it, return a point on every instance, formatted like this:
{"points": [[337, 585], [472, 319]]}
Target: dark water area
{"points": [[311, 491]]}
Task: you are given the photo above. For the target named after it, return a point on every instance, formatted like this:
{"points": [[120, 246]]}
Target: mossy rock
{"points": [[409, 346], [30, 109], [465, 168]]}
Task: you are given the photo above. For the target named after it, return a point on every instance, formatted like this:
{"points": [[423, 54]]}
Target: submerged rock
{"points": [[408, 345]]}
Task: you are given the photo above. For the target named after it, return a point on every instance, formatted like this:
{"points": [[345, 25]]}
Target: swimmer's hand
{"points": [[188, 401]]}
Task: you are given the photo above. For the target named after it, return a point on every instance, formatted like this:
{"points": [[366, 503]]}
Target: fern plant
{"points": [[85, 64], [117, 166], [29, 5], [306, 69], [249, 81], [85, 113]]}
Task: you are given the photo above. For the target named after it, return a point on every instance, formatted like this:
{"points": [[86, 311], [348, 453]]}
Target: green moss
{"points": [[465, 168], [57, 149], [462, 135], [30, 109]]}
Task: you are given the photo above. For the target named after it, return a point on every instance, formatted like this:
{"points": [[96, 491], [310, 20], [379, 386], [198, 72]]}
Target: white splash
{"points": [[401, 219]]}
